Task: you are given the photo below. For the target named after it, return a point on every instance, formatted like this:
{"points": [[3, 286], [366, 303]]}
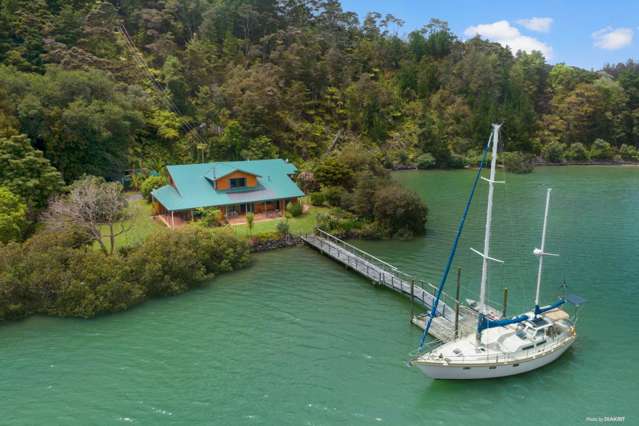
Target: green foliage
{"points": [[250, 219], [399, 211], [282, 228], [628, 153], [332, 172], [426, 161], [298, 80], [13, 216], [554, 152], [294, 209], [339, 222], [318, 198], [84, 122], [456, 161], [333, 195], [518, 162], [577, 152], [57, 274], [25, 172], [150, 184], [209, 216], [364, 193], [601, 150]]}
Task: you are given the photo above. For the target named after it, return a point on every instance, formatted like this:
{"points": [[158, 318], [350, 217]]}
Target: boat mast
{"points": [[489, 218], [539, 252]]}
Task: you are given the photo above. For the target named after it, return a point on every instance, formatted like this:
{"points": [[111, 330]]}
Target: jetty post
{"points": [[412, 299]]}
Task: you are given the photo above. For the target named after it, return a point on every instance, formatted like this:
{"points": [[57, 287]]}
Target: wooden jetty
{"points": [[383, 273]]}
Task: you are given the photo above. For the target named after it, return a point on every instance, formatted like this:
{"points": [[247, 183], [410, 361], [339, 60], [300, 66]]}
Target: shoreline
{"points": [[607, 163]]}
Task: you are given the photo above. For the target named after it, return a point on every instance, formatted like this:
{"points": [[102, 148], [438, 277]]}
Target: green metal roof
{"points": [[194, 188]]}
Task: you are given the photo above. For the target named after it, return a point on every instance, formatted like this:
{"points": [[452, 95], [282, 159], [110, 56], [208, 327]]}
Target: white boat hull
{"points": [[490, 370]]}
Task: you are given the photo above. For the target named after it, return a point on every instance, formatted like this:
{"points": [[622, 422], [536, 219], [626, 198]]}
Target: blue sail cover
{"points": [[485, 323], [557, 304]]}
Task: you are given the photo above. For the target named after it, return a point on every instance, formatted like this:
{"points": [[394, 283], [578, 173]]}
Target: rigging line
{"points": [[139, 59], [451, 256]]}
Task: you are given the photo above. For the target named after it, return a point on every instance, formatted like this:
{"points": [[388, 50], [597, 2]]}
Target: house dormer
{"points": [[231, 179]]}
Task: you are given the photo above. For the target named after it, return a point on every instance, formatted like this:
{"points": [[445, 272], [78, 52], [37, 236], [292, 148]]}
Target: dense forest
{"points": [[95, 92], [103, 87]]}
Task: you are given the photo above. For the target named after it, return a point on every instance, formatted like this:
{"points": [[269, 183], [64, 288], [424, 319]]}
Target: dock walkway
{"points": [[383, 273]]}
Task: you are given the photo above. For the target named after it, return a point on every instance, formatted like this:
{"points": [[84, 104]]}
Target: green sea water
{"points": [[297, 339]]}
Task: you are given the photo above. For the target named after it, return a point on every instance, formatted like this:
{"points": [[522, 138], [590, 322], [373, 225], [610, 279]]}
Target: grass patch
{"points": [[143, 225], [141, 222], [304, 224]]}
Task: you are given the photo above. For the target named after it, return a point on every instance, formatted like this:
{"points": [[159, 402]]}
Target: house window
{"points": [[238, 182]]}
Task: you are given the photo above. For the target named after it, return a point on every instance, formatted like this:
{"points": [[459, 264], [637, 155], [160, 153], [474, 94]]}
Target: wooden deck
{"points": [[383, 273]]}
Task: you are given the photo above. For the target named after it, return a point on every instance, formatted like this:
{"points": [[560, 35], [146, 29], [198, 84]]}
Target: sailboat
{"points": [[500, 346]]}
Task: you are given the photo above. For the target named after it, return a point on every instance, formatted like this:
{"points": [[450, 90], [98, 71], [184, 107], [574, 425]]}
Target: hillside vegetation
{"points": [[102, 87]]}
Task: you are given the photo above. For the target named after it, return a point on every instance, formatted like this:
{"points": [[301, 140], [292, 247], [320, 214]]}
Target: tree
{"points": [[518, 162], [577, 152], [250, 218], [13, 216], [554, 152], [210, 216], [399, 211], [96, 206], [25, 172], [282, 228], [150, 184], [601, 150], [426, 161], [332, 172]]}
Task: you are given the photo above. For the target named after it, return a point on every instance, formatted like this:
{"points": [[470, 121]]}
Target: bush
{"points": [[170, 262], [361, 200], [518, 162], [209, 216], [295, 209], [426, 161], [628, 152], [456, 161], [151, 183], [339, 222], [473, 158], [318, 198], [601, 150], [282, 228], [333, 172], [13, 216], [554, 152], [333, 195], [58, 274], [400, 211], [577, 152]]}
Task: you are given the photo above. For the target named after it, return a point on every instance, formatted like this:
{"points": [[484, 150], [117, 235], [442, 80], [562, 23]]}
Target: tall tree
{"points": [[95, 206]]}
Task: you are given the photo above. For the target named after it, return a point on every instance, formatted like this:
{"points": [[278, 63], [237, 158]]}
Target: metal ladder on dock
{"points": [[383, 273]]}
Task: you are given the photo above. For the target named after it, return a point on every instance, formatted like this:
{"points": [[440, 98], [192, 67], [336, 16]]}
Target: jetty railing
{"points": [[381, 271]]}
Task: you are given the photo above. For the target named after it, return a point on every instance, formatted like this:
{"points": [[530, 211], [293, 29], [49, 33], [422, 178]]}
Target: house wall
{"points": [[225, 182]]}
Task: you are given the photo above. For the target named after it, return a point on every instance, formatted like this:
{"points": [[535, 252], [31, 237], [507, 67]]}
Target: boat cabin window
{"points": [[521, 332]]}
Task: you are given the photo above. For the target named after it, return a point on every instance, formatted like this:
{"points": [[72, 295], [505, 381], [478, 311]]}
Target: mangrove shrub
{"points": [[60, 274]]}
